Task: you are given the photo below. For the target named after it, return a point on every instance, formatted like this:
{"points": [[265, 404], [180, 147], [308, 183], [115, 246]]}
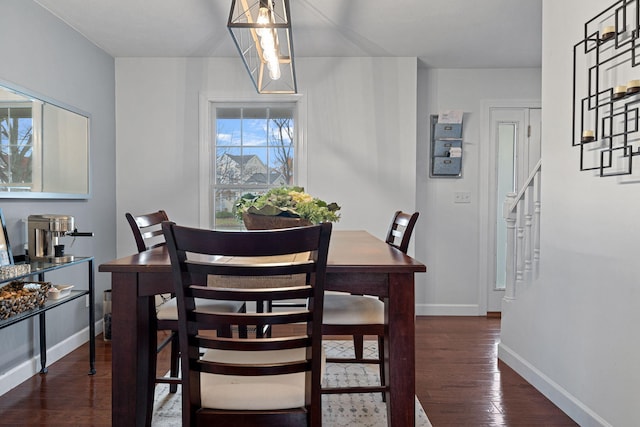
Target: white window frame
{"points": [[207, 104]]}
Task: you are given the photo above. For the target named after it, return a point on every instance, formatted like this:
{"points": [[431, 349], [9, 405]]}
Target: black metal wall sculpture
{"points": [[606, 95]]}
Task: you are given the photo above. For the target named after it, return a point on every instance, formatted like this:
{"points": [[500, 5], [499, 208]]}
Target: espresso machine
{"points": [[44, 234]]}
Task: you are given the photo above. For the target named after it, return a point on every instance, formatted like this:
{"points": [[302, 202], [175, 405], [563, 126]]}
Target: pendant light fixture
{"points": [[261, 30]]}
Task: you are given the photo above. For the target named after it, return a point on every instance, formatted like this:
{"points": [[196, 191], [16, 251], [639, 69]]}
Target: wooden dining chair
{"points": [[147, 232], [258, 381], [360, 315]]}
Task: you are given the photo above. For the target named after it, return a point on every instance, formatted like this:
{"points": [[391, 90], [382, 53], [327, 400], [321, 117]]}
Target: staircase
{"points": [[522, 215]]}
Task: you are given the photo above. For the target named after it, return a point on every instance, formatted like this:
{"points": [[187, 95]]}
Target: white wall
{"points": [[361, 147], [360, 134], [448, 234], [363, 150], [573, 333], [45, 57]]}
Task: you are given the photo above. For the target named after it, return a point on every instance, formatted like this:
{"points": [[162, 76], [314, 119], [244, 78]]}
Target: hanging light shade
{"points": [[261, 30]]}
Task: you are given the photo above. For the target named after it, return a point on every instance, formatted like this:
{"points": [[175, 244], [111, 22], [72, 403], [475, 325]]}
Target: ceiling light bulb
{"points": [[273, 62], [274, 71], [263, 19], [269, 55], [266, 41]]}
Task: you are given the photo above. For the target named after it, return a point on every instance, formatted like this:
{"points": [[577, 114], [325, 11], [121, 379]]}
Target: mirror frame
{"points": [[10, 86]]}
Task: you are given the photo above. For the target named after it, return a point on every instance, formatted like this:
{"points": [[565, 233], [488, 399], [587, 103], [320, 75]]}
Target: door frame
{"points": [[486, 211]]}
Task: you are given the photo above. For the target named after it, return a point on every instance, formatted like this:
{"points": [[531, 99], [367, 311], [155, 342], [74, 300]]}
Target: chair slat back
{"points": [[401, 230], [147, 229], [197, 255]]}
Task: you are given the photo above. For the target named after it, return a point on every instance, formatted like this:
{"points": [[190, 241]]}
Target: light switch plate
{"points": [[462, 197]]}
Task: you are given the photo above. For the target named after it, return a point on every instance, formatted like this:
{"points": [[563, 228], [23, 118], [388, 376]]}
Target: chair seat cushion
{"points": [[347, 309], [169, 310], [257, 393], [161, 299]]}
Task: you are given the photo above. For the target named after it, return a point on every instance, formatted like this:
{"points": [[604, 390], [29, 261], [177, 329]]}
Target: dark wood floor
{"points": [[458, 380]]}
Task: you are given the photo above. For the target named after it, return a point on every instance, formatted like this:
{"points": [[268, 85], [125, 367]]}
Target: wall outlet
{"points": [[462, 197]]}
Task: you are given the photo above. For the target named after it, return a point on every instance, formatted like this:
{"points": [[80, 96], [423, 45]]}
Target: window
{"points": [[16, 147], [254, 149]]}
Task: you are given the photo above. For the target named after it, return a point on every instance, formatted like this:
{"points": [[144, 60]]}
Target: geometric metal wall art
{"points": [[606, 90]]}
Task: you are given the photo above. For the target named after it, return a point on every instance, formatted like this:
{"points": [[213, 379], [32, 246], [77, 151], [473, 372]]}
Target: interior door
{"points": [[515, 134]]}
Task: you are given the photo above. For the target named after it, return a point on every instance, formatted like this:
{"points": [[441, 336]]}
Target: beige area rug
{"points": [[365, 409]]}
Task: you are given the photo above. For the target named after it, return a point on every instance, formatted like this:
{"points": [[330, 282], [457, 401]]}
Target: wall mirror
{"points": [[44, 148]]}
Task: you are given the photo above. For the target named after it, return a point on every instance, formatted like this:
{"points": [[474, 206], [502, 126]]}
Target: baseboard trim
{"points": [[448, 310], [27, 369], [560, 397]]}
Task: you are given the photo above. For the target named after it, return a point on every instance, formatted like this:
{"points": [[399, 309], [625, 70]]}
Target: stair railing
{"points": [[522, 215]]}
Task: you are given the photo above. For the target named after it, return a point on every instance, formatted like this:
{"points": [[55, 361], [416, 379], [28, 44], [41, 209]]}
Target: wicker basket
{"points": [[15, 299], [268, 222]]}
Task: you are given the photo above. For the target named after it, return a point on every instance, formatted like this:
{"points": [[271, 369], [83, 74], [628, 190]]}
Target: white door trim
{"points": [[486, 218]]}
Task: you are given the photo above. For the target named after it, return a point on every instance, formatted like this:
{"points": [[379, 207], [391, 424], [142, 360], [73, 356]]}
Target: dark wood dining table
{"points": [[358, 263]]}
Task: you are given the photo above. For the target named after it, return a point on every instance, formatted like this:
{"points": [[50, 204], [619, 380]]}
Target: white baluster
{"points": [[536, 223], [510, 219], [521, 212], [519, 243], [528, 237]]}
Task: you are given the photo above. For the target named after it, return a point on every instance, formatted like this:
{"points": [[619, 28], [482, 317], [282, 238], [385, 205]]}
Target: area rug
{"points": [[338, 410]]}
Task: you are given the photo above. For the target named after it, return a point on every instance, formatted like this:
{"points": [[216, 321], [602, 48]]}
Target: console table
{"points": [[39, 269]]}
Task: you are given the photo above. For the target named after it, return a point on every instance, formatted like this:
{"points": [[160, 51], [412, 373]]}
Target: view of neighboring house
{"points": [[245, 171]]}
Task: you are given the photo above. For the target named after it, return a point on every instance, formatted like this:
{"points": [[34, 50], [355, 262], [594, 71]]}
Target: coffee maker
{"points": [[44, 234]]}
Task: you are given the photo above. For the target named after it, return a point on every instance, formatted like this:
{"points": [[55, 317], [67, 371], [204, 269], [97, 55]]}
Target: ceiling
{"points": [[441, 33]]}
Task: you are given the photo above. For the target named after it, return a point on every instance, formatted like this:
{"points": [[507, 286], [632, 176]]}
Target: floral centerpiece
{"points": [[284, 207]]}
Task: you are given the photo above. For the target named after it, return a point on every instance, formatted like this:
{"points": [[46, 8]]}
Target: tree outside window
{"points": [[16, 148]]}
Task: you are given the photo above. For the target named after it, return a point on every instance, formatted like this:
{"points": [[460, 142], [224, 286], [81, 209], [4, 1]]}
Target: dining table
{"points": [[358, 263]]}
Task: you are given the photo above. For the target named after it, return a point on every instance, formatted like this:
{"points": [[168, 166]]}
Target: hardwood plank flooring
{"points": [[459, 381]]}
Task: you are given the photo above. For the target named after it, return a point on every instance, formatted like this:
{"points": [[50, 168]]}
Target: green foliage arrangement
{"points": [[289, 202]]}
